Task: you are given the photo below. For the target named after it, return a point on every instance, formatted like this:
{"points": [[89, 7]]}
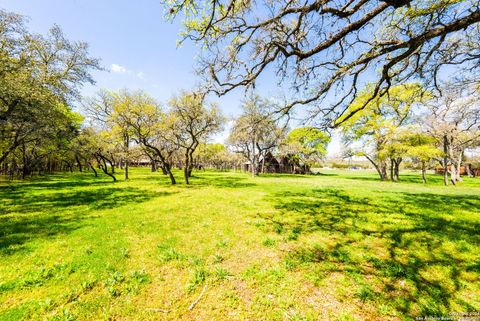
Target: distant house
{"points": [[282, 164], [464, 170], [141, 162]]}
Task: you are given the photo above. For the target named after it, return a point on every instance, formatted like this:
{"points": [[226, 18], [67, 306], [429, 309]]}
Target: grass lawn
{"points": [[337, 246]]}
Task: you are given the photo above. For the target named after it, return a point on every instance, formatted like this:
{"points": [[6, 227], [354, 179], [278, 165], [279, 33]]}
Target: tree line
{"points": [[41, 76], [166, 136], [414, 123]]}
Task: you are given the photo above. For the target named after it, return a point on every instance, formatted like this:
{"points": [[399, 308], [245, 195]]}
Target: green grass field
{"points": [[337, 246]]}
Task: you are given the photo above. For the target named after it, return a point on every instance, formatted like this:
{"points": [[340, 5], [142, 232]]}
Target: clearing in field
{"points": [[336, 246]]}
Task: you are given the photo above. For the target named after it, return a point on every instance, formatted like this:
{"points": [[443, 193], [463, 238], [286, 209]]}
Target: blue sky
{"points": [[135, 44], [133, 41]]}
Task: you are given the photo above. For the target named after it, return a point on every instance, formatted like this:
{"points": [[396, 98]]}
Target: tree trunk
{"points": [[468, 169], [172, 178], [164, 171], [263, 162], [164, 163], [112, 166], [191, 162], [459, 165], [453, 172], [79, 163], [103, 166], [392, 164], [453, 175], [424, 172], [254, 159], [10, 149], [186, 168], [383, 171], [396, 168], [380, 167], [24, 159], [445, 160], [185, 174], [127, 145], [93, 169]]}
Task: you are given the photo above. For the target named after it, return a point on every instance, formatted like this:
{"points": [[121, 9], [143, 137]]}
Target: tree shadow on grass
{"points": [[204, 179], [418, 251], [59, 184], [323, 174], [405, 178], [26, 215], [285, 175]]}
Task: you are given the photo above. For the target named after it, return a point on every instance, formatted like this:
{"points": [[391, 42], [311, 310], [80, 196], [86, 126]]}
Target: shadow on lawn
{"points": [[59, 184], [26, 215], [405, 178], [409, 253]]}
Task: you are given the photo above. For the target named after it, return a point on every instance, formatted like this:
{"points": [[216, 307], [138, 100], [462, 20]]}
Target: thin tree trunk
{"points": [[170, 175], [445, 160], [396, 168], [112, 166], [127, 145], [24, 158], [185, 174], [459, 165], [468, 169], [453, 172], [186, 168], [103, 166], [384, 171], [453, 175], [381, 170], [392, 164], [93, 169], [254, 158], [165, 166], [263, 163], [79, 163], [424, 172], [191, 163], [164, 171]]}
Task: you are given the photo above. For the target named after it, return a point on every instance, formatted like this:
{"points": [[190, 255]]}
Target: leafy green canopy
{"points": [[308, 144], [40, 76], [378, 131]]}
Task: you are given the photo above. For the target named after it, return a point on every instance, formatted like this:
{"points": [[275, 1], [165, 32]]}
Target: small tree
{"points": [[453, 119], [214, 155], [256, 131], [307, 144], [95, 147], [191, 121], [421, 146], [111, 111], [150, 129], [374, 129]]}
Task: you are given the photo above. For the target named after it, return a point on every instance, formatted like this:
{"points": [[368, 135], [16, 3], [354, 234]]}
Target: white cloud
{"points": [[141, 75], [118, 69]]}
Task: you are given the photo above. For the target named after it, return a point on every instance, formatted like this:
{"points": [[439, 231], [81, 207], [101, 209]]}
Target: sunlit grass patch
{"points": [[336, 247]]}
